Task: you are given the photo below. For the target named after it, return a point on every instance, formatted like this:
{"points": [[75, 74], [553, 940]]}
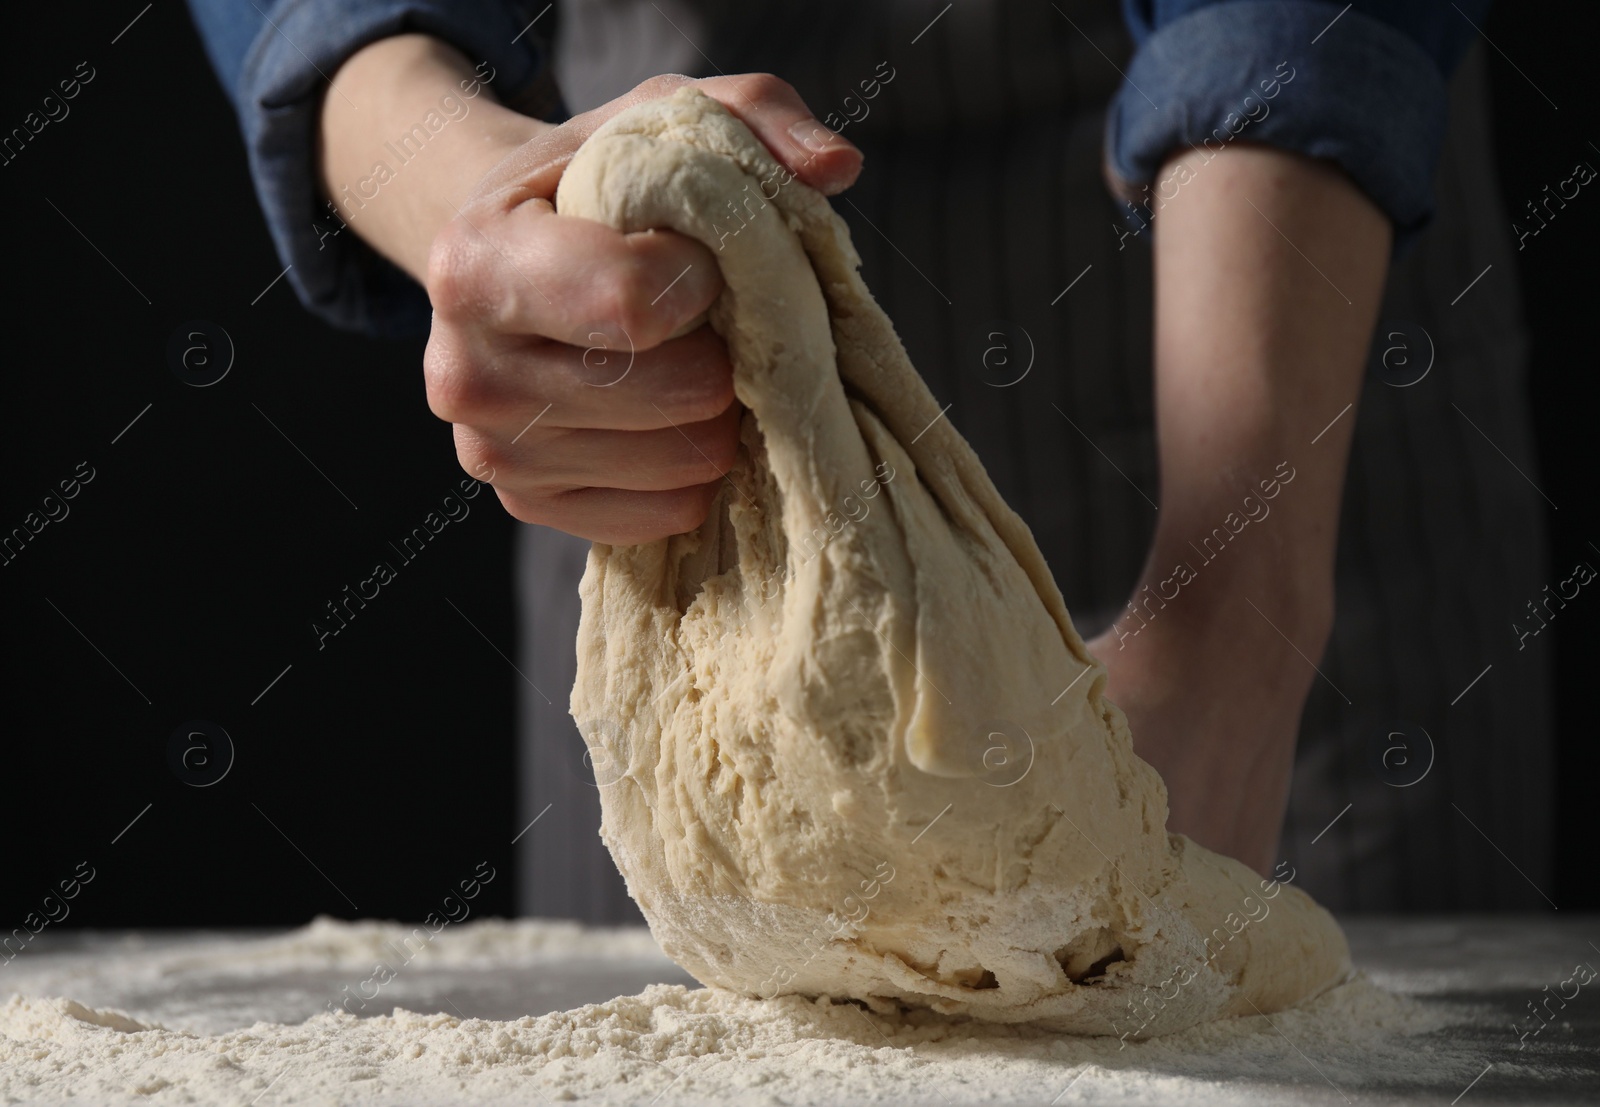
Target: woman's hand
{"points": [[553, 349]]}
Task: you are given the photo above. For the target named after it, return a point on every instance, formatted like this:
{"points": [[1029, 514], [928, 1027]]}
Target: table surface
{"points": [[1498, 963]]}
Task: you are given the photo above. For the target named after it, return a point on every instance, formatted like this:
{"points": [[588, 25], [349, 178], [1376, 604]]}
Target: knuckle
{"points": [[765, 86], [454, 279], [480, 457], [457, 392], [623, 299], [662, 84]]}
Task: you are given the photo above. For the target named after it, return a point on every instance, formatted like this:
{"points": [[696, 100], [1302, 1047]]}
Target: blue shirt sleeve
{"points": [[1360, 84], [275, 57]]}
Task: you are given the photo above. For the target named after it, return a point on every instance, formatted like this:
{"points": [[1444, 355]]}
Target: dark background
{"points": [[377, 772]]}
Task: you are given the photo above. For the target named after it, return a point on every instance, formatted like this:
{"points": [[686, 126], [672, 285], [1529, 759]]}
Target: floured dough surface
{"points": [[852, 745]]}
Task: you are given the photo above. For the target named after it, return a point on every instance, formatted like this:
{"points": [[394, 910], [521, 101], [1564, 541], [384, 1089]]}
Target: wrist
{"points": [[406, 133], [1258, 522], [1247, 591]]}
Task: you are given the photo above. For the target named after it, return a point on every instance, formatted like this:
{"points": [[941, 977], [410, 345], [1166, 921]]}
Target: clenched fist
{"points": [[564, 352]]}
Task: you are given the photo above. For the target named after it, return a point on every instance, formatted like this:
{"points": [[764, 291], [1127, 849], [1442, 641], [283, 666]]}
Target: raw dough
{"points": [[848, 740]]}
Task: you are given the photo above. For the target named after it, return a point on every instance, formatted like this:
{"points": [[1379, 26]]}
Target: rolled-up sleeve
{"points": [[1361, 85], [275, 61]]}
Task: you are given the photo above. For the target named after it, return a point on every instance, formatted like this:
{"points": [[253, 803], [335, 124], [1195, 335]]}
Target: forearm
{"points": [[407, 130], [1269, 268]]}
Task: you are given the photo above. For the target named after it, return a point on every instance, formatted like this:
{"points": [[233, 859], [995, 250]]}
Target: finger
{"points": [[769, 106], [532, 272], [547, 460], [506, 260], [774, 111], [684, 381], [618, 517], [536, 168], [518, 382]]}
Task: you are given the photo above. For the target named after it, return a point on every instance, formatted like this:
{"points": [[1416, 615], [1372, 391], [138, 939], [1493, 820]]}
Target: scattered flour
{"points": [[336, 944], [673, 1045]]}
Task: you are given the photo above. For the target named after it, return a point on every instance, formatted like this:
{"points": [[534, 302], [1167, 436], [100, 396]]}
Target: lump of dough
{"points": [[856, 747]]}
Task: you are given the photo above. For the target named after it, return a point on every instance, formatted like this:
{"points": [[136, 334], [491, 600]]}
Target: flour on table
{"points": [[853, 744], [672, 1045]]}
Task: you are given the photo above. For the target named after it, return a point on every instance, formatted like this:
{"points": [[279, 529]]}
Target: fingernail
{"points": [[816, 138]]}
